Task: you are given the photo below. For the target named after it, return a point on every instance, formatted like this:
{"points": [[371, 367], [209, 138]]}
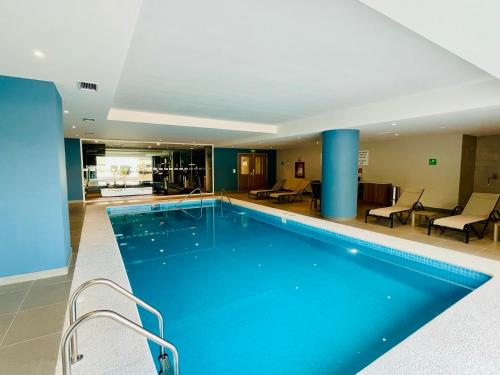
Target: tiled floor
{"points": [[32, 316], [32, 313]]}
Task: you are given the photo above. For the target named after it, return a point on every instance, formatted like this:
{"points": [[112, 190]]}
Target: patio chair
{"points": [[480, 209], [315, 194], [407, 202], [296, 193], [263, 193]]}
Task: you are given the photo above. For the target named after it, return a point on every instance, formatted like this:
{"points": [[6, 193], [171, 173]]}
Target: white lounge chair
{"points": [[407, 202], [265, 192], [480, 209], [296, 193]]}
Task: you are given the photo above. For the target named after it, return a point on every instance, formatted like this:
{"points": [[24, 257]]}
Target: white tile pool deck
{"points": [[464, 339]]}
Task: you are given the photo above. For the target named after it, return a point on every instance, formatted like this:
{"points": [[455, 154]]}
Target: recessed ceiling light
{"points": [[299, 137], [394, 124], [74, 127], [96, 141], [77, 135], [149, 146], [157, 143], [396, 134], [66, 111], [443, 127], [38, 54]]}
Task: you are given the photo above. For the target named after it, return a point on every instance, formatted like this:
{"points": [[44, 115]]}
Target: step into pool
{"points": [[245, 292]]}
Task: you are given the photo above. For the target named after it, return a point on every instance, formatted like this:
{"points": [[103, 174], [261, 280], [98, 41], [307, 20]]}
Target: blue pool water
{"points": [[243, 293]]}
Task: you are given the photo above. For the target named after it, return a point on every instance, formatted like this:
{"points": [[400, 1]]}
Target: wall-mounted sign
{"points": [[433, 161], [363, 157]]}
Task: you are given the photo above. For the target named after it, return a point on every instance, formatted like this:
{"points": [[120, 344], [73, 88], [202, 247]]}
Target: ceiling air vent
{"points": [[87, 86], [88, 119], [89, 133]]}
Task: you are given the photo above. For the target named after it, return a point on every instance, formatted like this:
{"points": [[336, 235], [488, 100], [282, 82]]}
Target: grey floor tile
{"points": [[56, 279], [10, 302], [17, 286], [36, 356], [46, 294], [5, 321], [36, 322]]}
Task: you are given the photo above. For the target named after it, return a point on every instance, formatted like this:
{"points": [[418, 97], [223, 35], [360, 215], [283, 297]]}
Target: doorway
{"points": [[252, 171]]}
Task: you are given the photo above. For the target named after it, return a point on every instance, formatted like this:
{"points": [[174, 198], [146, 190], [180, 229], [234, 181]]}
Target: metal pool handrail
{"points": [[71, 331], [100, 281], [222, 195], [201, 204], [191, 193]]}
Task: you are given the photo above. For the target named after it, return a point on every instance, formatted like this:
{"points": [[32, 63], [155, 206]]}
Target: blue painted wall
{"points": [[339, 188], [226, 159], [34, 224], [73, 169]]}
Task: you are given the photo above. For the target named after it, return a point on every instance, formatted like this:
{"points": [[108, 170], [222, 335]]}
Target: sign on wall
{"points": [[433, 161], [363, 157]]}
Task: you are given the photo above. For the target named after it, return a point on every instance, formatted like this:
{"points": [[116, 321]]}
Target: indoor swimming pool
{"points": [[245, 292]]}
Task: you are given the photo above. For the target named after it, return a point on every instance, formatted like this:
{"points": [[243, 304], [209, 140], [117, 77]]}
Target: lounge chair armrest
{"points": [[417, 206], [494, 216]]}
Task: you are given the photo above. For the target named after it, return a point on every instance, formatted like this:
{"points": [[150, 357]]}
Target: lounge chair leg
{"points": [[392, 221], [366, 215], [466, 234], [429, 227]]}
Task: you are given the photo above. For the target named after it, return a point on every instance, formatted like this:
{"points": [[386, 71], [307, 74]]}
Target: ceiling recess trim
{"points": [[116, 114]]}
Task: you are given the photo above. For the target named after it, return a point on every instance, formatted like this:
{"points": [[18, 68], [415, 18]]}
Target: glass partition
{"points": [[145, 169]]}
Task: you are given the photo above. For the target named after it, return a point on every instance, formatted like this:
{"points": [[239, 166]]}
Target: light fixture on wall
{"points": [[394, 124], [66, 111], [74, 127]]}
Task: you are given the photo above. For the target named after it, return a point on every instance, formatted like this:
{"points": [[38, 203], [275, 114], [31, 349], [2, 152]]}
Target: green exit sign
{"points": [[433, 161]]}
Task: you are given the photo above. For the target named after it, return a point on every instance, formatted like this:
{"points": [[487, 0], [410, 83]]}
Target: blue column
{"points": [[34, 222], [339, 187]]}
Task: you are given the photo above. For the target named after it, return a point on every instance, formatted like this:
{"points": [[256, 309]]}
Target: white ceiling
{"points": [[257, 65], [272, 62]]}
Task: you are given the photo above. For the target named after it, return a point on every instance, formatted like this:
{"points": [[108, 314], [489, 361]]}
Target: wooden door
{"points": [[244, 172], [252, 171], [259, 172]]}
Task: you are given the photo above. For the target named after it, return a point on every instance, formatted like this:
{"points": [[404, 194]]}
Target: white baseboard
{"points": [[34, 275]]}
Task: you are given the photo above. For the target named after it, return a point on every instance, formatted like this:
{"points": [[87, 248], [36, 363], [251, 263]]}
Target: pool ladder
{"points": [[69, 347], [201, 203], [191, 193], [222, 196]]}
